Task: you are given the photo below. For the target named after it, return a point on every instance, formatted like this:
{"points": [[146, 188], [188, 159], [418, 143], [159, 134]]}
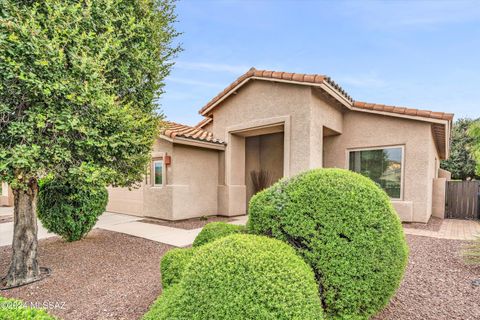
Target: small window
{"points": [[384, 166], [158, 172]]}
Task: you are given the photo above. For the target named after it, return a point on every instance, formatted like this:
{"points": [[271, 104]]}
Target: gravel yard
{"points": [[110, 275], [437, 284]]}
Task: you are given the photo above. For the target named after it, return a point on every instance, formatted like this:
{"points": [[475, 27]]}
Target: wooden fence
{"points": [[462, 200]]}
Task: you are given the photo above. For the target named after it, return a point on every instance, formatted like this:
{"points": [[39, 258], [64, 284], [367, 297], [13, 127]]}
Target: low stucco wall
{"points": [[439, 194]]}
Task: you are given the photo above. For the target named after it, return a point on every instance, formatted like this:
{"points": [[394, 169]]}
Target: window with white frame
{"points": [[158, 172], [383, 165]]}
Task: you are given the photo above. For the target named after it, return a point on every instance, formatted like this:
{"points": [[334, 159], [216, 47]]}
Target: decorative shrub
{"points": [[173, 264], [15, 310], [70, 209], [345, 228], [242, 277], [215, 230]]}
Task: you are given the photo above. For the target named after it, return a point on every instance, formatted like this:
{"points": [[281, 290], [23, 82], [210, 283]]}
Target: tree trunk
{"points": [[24, 265]]}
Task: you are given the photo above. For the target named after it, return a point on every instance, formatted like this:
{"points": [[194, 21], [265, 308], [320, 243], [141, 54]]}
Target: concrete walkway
{"points": [[106, 220], [6, 211], [173, 236], [453, 229], [124, 224]]}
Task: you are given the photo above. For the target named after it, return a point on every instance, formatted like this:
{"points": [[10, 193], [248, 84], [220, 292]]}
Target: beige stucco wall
{"points": [[189, 190], [362, 130], [195, 181], [259, 100]]}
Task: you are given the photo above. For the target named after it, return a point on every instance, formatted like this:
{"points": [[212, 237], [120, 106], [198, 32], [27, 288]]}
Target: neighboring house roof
{"points": [[175, 131]]}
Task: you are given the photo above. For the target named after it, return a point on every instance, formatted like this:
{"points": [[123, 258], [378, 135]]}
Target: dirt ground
{"points": [[108, 275], [437, 284]]}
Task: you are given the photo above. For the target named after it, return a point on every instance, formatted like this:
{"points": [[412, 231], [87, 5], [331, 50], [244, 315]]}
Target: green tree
{"points": [[78, 80], [474, 133], [461, 162]]}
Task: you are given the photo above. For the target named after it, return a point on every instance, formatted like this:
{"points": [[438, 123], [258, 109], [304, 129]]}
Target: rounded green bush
{"points": [[11, 309], [242, 277], [173, 264], [70, 209], [345, 228], [215, 230]]}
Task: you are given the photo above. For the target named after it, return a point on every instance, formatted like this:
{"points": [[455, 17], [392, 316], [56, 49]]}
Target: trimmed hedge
{"points": [[173, 264], [242, 277], [70, 209], [215, 230], [12, 309], [345, 228]]}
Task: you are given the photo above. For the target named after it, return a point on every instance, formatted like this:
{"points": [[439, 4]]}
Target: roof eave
{"points": [[193, 142]]}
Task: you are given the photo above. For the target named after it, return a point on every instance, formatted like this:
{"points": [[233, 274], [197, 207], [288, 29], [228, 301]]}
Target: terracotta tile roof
{"points": [[403, 110], [315, 79], [202, 123], [319, 79], [173, 130]]}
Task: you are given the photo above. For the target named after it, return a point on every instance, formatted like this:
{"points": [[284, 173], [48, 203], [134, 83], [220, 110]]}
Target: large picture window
{"points": [[158, 172], [384, 166]]}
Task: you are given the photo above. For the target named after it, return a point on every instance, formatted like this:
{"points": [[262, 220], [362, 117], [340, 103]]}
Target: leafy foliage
{"points": [[78, 81], [173, 264], [215, 230], [15, 310], [474, 134], [345, 228], [242, 277], [461, 162], [70, 209]]}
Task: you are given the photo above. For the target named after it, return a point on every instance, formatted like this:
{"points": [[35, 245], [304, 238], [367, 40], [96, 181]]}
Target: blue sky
{"points": [[422, 54]]}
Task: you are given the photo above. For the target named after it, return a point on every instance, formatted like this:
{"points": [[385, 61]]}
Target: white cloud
{"points": [[195, 82], [216, 67]]}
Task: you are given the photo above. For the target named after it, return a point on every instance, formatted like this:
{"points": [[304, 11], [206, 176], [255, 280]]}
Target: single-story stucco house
{"points": [[285, 123]]}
